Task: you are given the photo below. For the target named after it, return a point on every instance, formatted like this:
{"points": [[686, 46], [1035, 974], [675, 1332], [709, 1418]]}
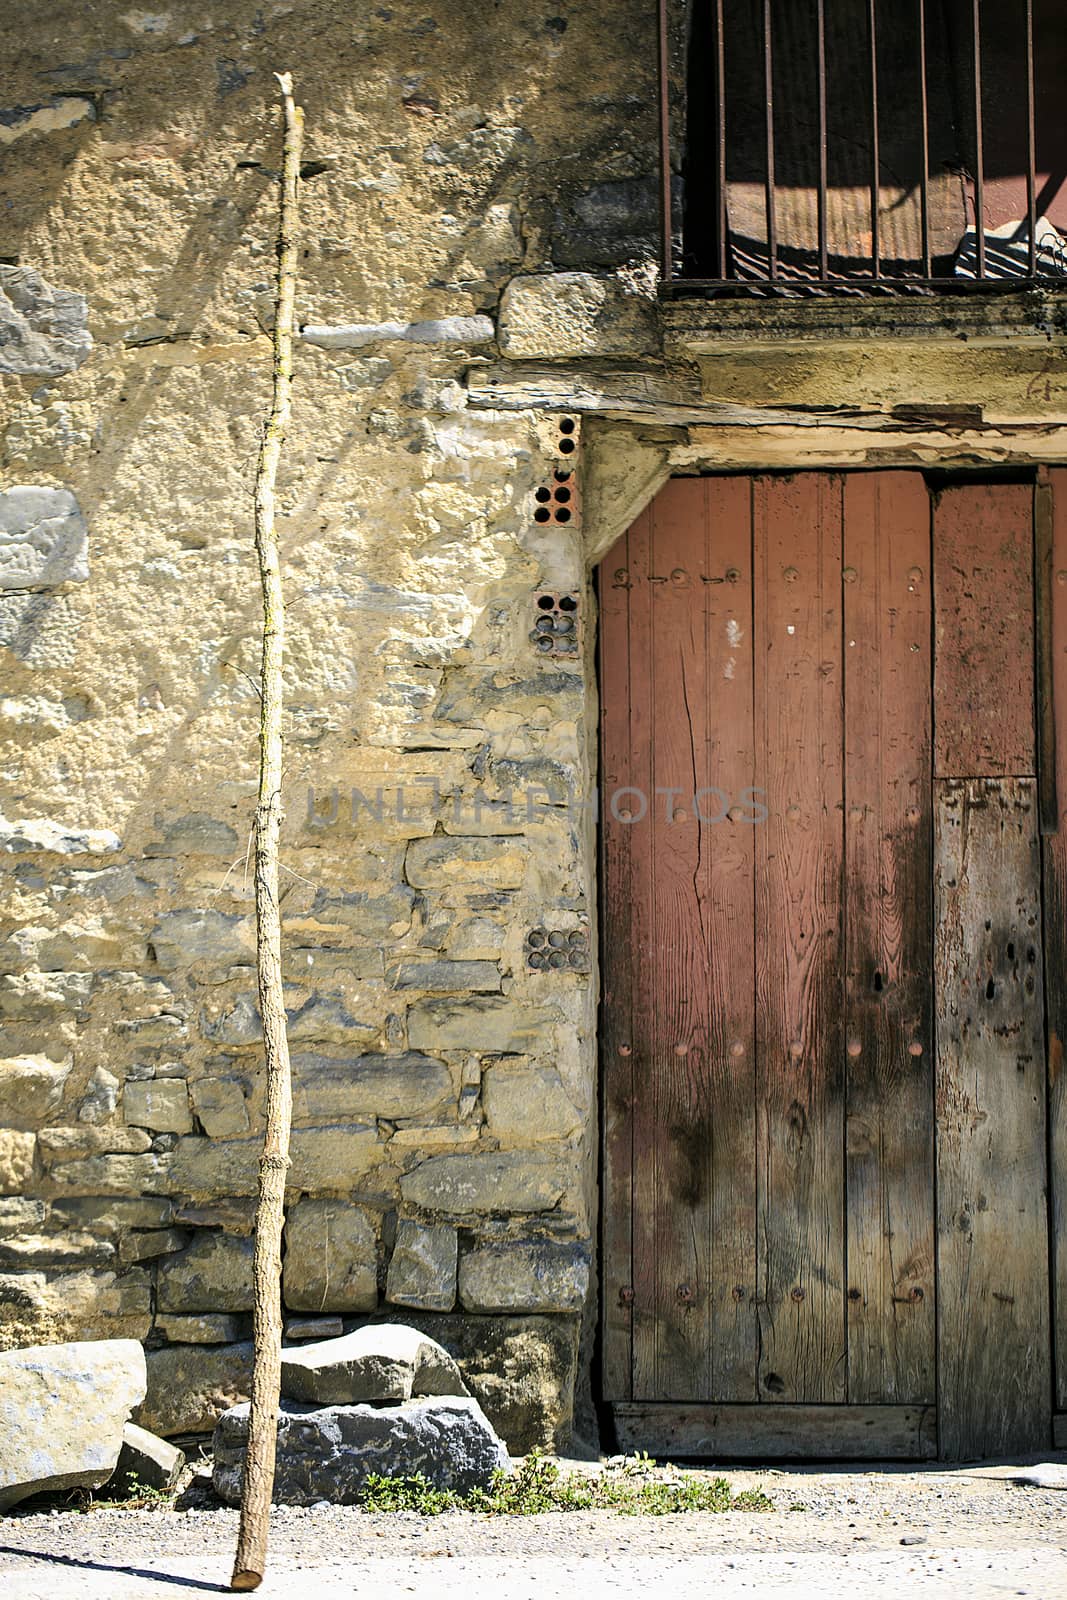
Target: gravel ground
{"points": [[970, 1532]]}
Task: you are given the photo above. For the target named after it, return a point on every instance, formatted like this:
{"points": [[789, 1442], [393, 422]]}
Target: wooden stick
{"points": [[258, 1483]]}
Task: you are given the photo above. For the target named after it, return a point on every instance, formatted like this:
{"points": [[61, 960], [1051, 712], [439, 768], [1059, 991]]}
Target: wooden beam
{"points": [[786, 1432]]}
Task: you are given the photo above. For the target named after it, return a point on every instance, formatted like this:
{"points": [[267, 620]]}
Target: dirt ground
{"points": [[973, 1532]]}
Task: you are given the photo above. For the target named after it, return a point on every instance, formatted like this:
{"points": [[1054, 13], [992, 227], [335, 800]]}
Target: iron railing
{"points": [[864, 146]]}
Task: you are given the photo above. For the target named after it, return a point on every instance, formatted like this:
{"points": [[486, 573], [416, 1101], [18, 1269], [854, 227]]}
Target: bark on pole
{"points": [[258, 1485]]}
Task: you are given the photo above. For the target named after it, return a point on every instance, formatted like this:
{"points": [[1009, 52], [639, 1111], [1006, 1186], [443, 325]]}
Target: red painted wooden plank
{"points": [[798, 718], [889, 948], [984, 639], [1054, 489]]}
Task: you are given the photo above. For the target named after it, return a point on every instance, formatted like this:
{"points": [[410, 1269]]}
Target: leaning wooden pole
{"points": [[258, 1485]]}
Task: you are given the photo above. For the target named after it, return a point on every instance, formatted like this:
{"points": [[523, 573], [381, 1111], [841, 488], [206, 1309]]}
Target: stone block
{"points": [[196, 834], [314, 1328], [62, 1411], [32, 835], [145, 1462], [322, 1020], [42, 631], [18, 1215], [558, 316], [328, 1454], [160, 1104], [371, 916], [57, 1145], [408, 1085], [31, 1090], [207, 1327], [447, 859], [31, 1250], [113, 1216], [240, 1025], [443, 976], [191, 1385], [41, 997], [220, 1105], [535, 1275], [149, 1246], [325, 1160], [101, 1097], [16, 1160], [43, 538], [331, 1258], [44, 331], [182, 938], [213, 1274], [487, 1025], [422, 1269], [382, 1361], [45, 1307], [441, 330], [527, 1104], [118, 1175], [608, 225], [505, 1182]]}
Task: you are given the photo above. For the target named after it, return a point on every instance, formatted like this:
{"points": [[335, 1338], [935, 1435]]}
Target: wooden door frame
{"points": [[624, 472]]}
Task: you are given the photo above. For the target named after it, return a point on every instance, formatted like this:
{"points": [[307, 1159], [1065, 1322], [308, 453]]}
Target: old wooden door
{"points": [[825, 1210]]}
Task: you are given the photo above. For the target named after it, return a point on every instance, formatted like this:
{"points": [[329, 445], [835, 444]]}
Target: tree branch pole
{"points": [[258, 1485]]}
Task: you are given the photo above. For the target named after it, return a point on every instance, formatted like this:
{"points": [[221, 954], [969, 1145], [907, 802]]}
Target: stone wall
{"points": [[478, 183]]}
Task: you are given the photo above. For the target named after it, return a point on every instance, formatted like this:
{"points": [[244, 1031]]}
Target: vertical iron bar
{"points": [[924, 116], [1031, 141], [979, 156], [1047, 799], [876, 168], [720, 113], [666, 264], [821, 25], [768, 92]]}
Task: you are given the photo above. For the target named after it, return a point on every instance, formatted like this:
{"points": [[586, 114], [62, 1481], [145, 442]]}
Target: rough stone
{"points": [[213, 1274], [329, 1453], [482, 1023], [113, 1216], [210, 1327], [220, 1106], [43, 330], [181, 938], [16, 1160], [119, 1174], [145, 1462], [42, 631], [191, 1385], [521, 1370], [527, 1104], [409, 1085], [52, 116], [57, 1145], [442, 976], [422, 1269], [444, 860], [31, 1089], [539, 1275], [62, 1412], [442, 330], [42, 834], [324, 1160], [29, 1250], [160, 1104], [321, 1020], [101, 1097], [19, 1215], [562, 315], [379, 1362], [371, 916], [195, 835], [502, 1181], [46, 1306], [314, 1328], [43, 537], [331, 1258], [607, 225]]}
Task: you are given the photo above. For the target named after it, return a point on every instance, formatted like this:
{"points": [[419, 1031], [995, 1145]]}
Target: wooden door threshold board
{"points": [[1059, 1430], [781, 1432]]}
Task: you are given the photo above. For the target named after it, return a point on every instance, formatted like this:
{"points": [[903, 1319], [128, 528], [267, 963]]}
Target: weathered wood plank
{"points": [[993, 1316], [1059, 1431], [679, 974], [617, 1059], [888, 1024], [1055, 871], [800, 1089], [984, 631], [729, 845], [788, 1432]]}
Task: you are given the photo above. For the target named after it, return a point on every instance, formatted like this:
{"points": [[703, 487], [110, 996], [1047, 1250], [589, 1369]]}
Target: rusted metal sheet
{"points": [[888, 935], [993, 1323], [1053, 490], [797, 547], [984, 631]]}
